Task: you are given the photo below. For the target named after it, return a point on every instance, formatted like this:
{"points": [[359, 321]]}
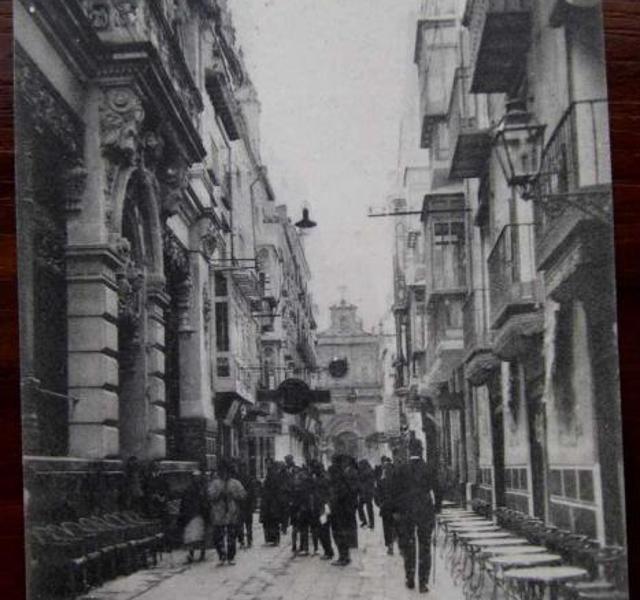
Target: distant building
{"points": [[356, 394]]}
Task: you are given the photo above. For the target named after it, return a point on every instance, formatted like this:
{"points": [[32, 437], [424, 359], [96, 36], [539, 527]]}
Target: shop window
{"points": [[570, 484], [560, 515], [555, 482], [585, 480], [585, 522]]}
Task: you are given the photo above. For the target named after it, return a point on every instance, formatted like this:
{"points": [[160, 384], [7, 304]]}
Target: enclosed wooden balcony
{"points": [[573, 191], [513, 283], [478, 353], [435, 56], [444, 216], [445, 348], [500, 32], [469, 129]]}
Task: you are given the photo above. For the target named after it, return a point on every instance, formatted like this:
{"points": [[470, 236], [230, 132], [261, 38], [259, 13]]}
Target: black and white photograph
{"points": [[317, 300]]}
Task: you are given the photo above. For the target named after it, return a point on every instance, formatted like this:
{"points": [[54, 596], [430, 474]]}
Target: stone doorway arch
{"points": [[141, 302]]}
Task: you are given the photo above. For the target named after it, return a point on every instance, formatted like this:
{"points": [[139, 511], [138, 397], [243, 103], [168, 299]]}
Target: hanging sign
{"points": [[294, 395]]}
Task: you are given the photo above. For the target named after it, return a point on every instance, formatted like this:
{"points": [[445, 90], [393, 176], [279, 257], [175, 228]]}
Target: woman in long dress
{"points": [[194, 516]]}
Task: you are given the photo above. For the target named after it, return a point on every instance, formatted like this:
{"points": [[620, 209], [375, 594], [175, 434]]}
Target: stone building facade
{"points": [[514, 296], [142, 204], [349, 423]]}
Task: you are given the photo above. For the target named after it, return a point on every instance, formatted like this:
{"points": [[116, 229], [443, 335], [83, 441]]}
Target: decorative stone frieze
{"points": [[46, 110]]}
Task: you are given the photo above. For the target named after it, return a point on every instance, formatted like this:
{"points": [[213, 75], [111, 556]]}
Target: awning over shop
{"points": [[231, 407]]}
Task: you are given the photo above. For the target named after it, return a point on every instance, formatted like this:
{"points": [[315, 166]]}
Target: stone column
{"points": [[26, 259], [93, 261], [197, 423], [157, 303], [93, 346]]}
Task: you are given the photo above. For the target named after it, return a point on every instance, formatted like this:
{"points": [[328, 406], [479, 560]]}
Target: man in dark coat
{"points": [[251, 486], [343, 486], [300, 510], [415, 502], [320, 497], [366, 480], [272, 504], [383, 496]]}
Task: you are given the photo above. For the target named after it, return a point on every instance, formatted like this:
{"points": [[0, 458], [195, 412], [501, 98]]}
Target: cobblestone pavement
{"points": [[266, 573]]}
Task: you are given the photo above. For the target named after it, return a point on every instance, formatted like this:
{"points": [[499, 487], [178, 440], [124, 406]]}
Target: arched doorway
{"points": [[347, 442], [140, 266]]}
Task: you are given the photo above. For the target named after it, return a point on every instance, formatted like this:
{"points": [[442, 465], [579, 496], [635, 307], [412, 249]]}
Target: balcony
{"points": [[573, 191], [478, 355], [444, 351], [469, 129], [235, 379], [248, 283], [513, 286], [435, 55], [475, 325], [416, 275], [500, 32]]}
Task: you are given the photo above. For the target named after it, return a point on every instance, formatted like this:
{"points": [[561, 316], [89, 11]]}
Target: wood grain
{"points": [[622, 28]]}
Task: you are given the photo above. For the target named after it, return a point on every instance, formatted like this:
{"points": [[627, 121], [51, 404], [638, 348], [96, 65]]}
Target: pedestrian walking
{"points": [[415, 502], [366, 485], [320, 497], [286, 473], [383, 496], [343, 487], [272, 504], [248, 505], [193, 519], [226, 495], [300, 510]]}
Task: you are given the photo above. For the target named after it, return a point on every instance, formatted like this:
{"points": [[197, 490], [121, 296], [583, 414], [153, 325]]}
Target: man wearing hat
{"points": [[415, 501]]}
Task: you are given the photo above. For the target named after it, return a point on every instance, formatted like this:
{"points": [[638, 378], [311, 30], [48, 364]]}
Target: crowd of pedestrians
{"points": [[316, 510]]}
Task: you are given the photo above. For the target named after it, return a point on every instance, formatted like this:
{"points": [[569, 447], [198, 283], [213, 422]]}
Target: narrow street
{"points": [[266, 573]]}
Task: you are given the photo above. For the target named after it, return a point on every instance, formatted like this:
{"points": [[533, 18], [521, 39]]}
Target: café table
{"points": [[534, 582], [527, 548], [497, 565], [486, 552], [466, 545]]}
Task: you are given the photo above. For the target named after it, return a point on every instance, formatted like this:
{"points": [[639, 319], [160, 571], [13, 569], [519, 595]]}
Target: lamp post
{"points": [[518, 144]]}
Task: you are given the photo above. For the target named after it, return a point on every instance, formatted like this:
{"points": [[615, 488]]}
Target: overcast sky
{"points": [[330, 75]]}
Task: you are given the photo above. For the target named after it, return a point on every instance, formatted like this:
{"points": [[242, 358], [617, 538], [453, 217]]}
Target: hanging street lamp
{"points": [[518, 143]]}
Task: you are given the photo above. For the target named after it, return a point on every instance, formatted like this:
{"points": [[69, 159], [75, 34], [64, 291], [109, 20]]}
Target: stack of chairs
{"points": [[68, 558]]}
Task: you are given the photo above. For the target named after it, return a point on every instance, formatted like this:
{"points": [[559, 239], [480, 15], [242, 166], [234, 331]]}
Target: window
{"points": [[222, 326], [448, 260], [441, 142], [221, 284]]}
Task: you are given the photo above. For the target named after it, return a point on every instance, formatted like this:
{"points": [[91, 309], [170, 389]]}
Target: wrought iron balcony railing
{"points": [[513, 284], [469, 128], [574, 183], [500, 32]]}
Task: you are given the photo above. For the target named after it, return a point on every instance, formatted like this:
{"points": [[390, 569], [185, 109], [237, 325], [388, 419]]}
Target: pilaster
{"points": [[93, 347]]}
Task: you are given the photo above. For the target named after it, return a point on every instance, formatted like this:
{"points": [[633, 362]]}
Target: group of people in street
{"points": [[222, 505], [319, 507]]}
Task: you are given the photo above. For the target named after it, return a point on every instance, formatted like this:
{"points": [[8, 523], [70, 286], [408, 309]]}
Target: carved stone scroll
{"points": [[121, 116]]}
